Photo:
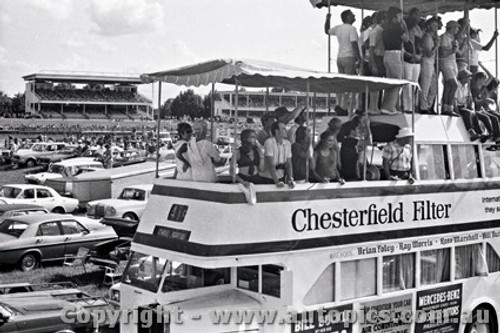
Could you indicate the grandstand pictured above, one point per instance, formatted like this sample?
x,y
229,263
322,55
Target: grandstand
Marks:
x,y
85,95
253,103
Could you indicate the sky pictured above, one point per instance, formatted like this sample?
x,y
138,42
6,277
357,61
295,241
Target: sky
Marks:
x,y
141,36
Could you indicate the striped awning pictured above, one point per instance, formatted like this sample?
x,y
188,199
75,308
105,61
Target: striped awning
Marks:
x,y
427,7
258,74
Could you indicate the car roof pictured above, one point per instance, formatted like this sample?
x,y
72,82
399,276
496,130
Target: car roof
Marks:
x,y
146,187
41,218
23,186
9,207
77,161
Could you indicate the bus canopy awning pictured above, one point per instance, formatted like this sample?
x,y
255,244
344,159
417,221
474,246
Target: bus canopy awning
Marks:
x,y
427,7
258,74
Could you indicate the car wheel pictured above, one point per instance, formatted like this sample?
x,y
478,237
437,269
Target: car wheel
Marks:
x,y
58,210
130,216
30,163
29,262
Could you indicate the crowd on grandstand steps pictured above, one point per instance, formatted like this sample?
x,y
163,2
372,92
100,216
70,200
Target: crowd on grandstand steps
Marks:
x,y
407,47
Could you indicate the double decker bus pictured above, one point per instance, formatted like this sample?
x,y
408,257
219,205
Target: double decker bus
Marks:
x,y
366,256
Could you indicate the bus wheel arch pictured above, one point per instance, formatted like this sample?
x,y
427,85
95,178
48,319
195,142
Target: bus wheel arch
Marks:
x,y
490,326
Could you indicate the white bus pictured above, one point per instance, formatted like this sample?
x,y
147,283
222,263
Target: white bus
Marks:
x,y
202,251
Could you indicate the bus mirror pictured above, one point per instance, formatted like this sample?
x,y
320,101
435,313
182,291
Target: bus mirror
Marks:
x,y
286,287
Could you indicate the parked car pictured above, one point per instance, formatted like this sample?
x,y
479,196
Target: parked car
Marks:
x,y
32,310
130,204
66,153
28,157
127,157
27,241
44,196
67,168
14,210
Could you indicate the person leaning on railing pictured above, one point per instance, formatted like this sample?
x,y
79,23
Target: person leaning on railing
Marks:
x,y
397,156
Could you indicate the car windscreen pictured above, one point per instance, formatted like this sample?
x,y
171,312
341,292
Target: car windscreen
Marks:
x,y
56,168
10,192
38,147
13,228
132,194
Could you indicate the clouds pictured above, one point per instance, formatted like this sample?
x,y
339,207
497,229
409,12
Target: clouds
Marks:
x,y
125,17
61,9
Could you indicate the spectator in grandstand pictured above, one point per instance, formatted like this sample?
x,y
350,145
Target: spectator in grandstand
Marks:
x,y
364,44
183,169
268,119
348,57
202,154
284,116
302,158
394,35
354,136
397,156
448,48
430,45
334,126
327,158
249,158
278,167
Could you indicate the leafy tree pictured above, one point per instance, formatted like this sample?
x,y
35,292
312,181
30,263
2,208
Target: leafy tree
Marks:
x,y
187,103
5,103
18,107
207,107
166,109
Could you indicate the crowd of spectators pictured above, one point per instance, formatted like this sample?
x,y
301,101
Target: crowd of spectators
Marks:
x,y
103,96
407,47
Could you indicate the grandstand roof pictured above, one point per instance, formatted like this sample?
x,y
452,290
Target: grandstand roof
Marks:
x,y
84,77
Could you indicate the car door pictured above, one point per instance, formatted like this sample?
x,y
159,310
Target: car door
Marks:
x,y
75,236
45,198
28,196
50,241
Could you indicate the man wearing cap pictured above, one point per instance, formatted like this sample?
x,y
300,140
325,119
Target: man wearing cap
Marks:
x,y
397,156
448,48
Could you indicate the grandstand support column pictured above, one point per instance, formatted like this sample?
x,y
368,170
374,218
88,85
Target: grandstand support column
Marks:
x,y
235,131
267,99
106,110
158,131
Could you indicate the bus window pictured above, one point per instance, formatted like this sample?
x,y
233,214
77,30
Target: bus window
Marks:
x,y
431,161
144,271
398,272
179,276
491,162
248,278
465,161
469,261
359,278
492,259
434,266
271,280
323,290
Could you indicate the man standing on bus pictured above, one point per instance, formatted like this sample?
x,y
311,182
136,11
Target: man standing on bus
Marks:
x,y
348,57
397,156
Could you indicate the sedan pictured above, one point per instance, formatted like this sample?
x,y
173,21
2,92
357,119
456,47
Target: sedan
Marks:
x,y
30,240
14,210
43,196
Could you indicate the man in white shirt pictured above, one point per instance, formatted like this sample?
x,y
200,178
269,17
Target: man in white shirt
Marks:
x,y
348,57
